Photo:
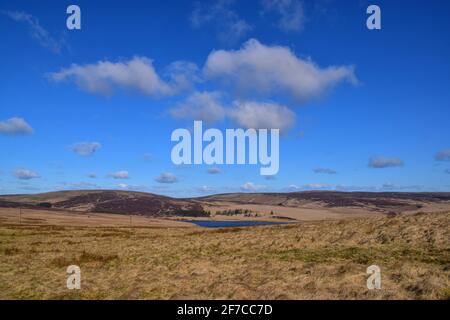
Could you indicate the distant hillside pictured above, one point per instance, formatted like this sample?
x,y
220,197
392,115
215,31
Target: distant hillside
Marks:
x,y
296,205
335,198
311,205
107,201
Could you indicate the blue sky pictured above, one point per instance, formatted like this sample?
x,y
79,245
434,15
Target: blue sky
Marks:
x,y
359,109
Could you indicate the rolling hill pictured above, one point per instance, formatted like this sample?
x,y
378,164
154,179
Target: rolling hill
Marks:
x,y
308,205
106,201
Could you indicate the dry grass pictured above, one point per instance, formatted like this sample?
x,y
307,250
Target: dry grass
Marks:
x,y
315,260
12,216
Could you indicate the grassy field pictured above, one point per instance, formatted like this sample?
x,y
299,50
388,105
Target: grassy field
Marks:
x,y
310,260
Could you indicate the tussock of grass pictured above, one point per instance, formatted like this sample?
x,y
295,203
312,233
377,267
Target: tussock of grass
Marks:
x,y
445,294
218,230
83,258
10,251
364,255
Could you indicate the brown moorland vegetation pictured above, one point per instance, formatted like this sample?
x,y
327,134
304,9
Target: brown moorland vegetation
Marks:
x,y
302,206
308,260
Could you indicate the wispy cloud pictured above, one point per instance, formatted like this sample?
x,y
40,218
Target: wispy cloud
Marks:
x,y
205,189
128,187
324,170
349,188
15,126
384,162
316,186
147,156
389,186
120,175
25,174
443,155
227,23
39,33
166,177
85,148
214,170
252,187
290,12
79,186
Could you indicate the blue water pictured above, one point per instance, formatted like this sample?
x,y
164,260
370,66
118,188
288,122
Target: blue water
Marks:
x,y
231,223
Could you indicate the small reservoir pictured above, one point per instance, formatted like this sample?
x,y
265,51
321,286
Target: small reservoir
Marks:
x,y
231,223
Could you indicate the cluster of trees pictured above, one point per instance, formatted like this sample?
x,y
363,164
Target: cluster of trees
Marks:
x,y
193,213
245,212
44,204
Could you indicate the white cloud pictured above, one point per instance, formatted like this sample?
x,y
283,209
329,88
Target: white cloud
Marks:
x,y
41,35
316,186
15,126
137,74
250,186
214,170
258,115
325,170
229,26
205,106
183,74
393,187
166,177
128,187
120,175
290,12
309,186
388,185
79,186
267,70
355,188
443,155
293,187
25,174
383,162
205,189
85,148
323,186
